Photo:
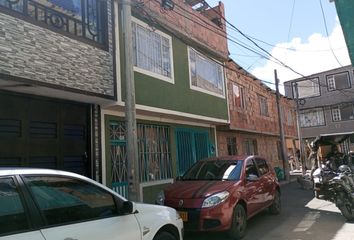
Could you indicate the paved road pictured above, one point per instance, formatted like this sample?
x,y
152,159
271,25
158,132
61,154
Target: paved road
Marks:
x,y
303,218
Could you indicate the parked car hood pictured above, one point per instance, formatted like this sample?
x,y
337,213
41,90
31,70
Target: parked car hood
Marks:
x,y
196,189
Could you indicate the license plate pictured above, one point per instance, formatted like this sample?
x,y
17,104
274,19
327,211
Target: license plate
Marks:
x,y
184,216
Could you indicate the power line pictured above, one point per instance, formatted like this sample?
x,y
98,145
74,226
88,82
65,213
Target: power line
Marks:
x,y
329,41
291,19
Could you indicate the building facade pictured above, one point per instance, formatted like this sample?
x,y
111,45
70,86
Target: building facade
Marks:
x,y
254,124
325,102
56,70
180,94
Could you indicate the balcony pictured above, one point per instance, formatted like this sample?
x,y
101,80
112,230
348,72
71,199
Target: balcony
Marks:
x,y
84,20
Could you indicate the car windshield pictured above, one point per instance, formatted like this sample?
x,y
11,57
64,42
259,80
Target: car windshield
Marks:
x,y
214,170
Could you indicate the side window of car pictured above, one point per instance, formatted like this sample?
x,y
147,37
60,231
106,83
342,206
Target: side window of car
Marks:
x,y
262,166
251,168
66,200
12,213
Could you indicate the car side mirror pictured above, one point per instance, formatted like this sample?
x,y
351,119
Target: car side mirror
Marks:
x,y
128,207
252,178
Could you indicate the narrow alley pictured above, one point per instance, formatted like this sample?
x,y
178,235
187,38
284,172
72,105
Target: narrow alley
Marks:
x,y
303,217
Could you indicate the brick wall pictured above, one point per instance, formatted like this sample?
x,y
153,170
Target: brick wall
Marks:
x,y
36,53
191,24
249,118
266,145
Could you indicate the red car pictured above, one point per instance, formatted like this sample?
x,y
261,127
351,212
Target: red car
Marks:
x,y
222,193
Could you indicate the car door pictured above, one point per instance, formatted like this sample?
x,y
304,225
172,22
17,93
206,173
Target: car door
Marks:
x,y
74,209
253,193
14,218
266,182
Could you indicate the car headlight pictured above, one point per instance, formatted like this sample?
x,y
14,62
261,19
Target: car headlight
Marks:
x,y
215,199
160,199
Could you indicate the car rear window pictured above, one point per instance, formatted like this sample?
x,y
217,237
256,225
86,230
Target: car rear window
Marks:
x,y
214,170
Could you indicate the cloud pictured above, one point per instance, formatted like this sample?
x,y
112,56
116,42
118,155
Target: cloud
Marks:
x,y
306,57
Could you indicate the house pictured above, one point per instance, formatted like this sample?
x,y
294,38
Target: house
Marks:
x,y
56,71
254,125
180,94
325,102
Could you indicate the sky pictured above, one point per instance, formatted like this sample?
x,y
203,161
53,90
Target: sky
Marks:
x,y
293,31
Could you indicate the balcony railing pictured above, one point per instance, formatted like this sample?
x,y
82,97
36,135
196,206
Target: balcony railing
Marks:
x,y
86,21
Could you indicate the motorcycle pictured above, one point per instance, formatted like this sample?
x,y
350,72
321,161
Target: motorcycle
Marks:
x,y
332,182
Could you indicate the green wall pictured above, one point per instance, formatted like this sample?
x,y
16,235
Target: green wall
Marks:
x,y
345,10
178,96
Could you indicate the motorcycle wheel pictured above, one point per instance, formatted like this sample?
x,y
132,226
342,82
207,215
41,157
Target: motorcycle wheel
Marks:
x,y
347,211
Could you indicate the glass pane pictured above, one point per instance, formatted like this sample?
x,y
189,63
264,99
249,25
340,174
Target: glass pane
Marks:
x,y
312,117
206,73
214,170
65,200
12,215
342,81
346,112
308,88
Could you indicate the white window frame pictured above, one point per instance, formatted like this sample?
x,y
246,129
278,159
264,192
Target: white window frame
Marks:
x,y
153,74
336,115
202,89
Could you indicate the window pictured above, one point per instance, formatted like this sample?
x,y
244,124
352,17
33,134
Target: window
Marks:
x,y
312,117
12,215
263,105
250,147
83,18
307,88
231,146
155,159
206,75
343,112
214,170
262,166
66,200
338,81
251,169
152,52
238,97
290,119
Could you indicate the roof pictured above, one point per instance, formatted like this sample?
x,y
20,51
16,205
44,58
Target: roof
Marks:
x,y
6,171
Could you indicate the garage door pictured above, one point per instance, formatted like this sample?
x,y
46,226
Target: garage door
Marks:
x,y
44,133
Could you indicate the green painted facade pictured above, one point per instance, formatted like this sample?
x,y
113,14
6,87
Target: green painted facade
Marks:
x,y
150,192
345,10
153,92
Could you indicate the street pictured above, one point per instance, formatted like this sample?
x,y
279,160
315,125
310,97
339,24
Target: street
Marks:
x,y
303,218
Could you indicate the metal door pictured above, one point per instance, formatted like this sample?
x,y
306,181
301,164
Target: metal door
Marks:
x,y
192,145
43,133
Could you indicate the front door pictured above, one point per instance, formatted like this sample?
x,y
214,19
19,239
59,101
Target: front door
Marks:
x,y
44,133
192,145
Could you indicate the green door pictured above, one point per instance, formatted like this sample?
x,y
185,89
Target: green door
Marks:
x,y
192,145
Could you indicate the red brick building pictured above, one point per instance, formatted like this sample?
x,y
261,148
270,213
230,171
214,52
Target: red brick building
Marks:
x,y
253,114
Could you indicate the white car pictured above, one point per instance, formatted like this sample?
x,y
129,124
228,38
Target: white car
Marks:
x,y
37,204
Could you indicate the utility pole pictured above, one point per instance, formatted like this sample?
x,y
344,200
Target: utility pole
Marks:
x,y
130,111
281,131
301,149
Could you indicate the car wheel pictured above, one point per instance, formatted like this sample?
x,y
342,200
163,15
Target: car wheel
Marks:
x,y
239,222
275,208
164,236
